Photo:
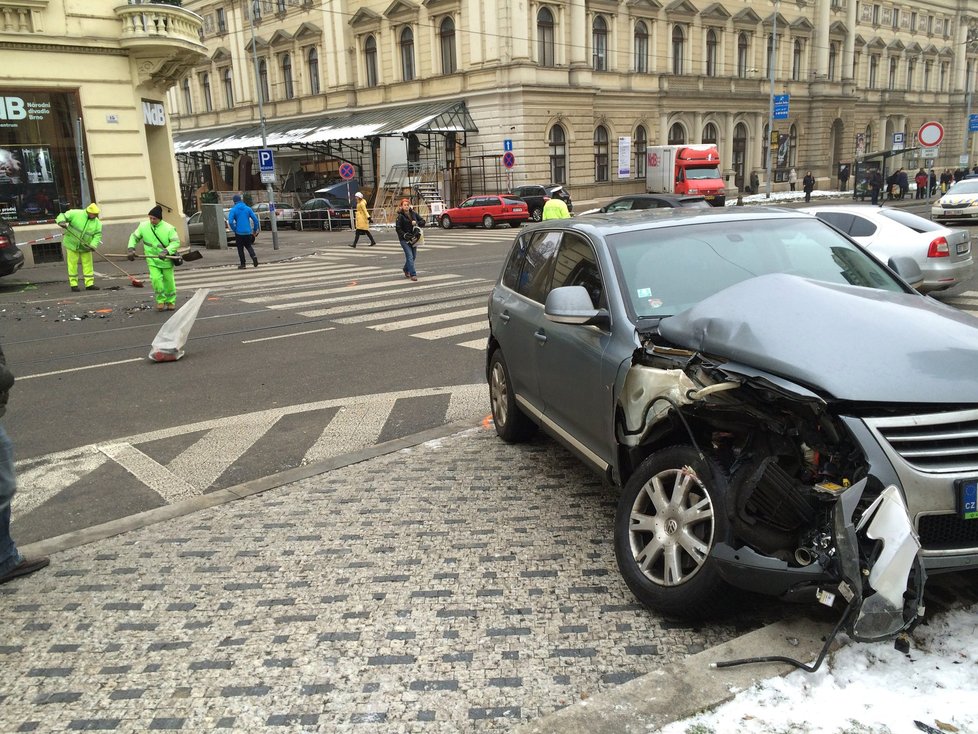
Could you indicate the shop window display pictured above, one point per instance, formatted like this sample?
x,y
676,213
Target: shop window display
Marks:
x,y
38,155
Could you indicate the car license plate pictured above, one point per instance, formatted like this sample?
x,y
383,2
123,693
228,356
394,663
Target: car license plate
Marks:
x,y
517,209
967,491
711,197
963,247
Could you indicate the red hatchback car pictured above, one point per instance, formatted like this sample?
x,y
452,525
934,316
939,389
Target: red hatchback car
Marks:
x,y
487,211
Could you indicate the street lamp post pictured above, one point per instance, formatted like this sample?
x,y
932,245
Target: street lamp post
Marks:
x,y
771,62
261,119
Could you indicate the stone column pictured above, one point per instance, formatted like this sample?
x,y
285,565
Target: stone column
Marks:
x,y
579,35
960,72
473,12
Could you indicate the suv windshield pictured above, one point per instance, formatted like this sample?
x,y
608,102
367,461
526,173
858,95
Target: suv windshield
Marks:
x,y
964,187
666,270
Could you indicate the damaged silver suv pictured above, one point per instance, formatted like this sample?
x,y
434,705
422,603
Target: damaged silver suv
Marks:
x,y
783,413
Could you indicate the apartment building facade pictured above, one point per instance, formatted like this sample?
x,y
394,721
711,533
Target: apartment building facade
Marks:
x,y
575,89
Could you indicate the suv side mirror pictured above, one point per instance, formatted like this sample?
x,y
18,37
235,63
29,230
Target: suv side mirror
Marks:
x,y
571,304
908,269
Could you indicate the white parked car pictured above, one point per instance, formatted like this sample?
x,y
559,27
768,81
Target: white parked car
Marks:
x,y
285,216
943,254
960,202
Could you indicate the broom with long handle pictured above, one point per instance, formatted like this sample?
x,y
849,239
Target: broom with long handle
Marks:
x,y
133,280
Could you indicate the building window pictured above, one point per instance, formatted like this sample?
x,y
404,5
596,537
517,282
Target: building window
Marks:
x,y
742,55
833,59
558,155
710,136
792,146
599,44
943,84
892,78
896,18
711,52
205,85
600,153
641,147
446,33
263,80
678,49
287,76
911,70
765,144
928,66
856,58
874,62
876,15
228,82
407,54
677,135
280,6
370,60
913,22
188,101
796,61
545,37
312,63
255,9
222,21
772,53
641,47
869,138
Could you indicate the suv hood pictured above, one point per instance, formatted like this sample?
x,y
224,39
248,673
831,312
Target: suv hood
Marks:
x,y
856,344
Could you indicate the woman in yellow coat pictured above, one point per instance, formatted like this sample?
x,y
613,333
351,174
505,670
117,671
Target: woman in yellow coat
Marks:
x,y
361,221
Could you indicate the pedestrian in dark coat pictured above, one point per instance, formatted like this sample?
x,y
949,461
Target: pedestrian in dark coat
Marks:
x,y
808,184
875,185
903,182
404,225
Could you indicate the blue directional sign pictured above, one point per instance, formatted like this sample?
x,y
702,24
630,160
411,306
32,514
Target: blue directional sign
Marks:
x,y
781,106
973,124
507,145
266,162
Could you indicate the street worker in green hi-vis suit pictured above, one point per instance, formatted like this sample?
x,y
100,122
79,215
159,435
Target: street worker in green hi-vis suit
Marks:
x,y
160,242
83,233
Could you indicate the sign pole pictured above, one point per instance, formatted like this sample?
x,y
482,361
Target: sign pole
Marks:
x,y
264,139
773,61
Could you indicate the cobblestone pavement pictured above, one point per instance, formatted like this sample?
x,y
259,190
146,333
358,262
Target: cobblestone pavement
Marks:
x,y
463,585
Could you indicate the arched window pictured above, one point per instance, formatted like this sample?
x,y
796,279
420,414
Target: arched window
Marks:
x,y
892,77
677,134
188,101
600,153
833,59
407,54
545,37
710,134
599,44
944,69
205,85
558,155
874,64
312,62
228,81
263,80
742,49
712,44
772,52
911,71
739,150
796,61
792,146
287,76
446,34
678,49
370,60
641,148
641,47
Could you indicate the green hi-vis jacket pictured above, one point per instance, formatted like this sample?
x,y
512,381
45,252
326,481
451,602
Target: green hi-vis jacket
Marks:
x,y
83,233
156,240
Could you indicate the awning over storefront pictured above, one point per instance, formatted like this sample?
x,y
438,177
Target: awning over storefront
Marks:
x,y
430,117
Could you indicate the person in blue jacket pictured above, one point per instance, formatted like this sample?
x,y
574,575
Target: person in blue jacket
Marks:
x,y
244,223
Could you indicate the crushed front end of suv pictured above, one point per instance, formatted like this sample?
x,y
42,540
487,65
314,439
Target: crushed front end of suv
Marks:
x,y
782,412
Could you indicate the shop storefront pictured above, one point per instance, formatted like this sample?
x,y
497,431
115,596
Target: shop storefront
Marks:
x,y
41,155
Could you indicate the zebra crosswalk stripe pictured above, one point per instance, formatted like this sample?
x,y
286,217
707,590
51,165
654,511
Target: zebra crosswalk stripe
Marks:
x,y
410,305
425,320
474,344
453,330
315,313
408,301
330,291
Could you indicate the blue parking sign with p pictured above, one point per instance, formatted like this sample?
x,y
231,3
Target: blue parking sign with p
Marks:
x,y
266,162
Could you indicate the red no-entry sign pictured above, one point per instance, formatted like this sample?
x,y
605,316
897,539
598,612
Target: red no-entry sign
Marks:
x,y
930,134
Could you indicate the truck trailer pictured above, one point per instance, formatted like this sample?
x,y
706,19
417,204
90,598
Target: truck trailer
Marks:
x,y
685,169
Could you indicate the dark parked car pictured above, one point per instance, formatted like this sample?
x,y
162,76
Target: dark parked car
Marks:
x,y
323,212
783,412
11,258
535,197
487,211
558,191
633,202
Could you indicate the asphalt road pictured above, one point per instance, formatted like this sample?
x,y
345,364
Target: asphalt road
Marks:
x,y
336,351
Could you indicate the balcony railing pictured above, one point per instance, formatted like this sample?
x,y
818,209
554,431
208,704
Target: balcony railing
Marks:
x,y
21,16
160,25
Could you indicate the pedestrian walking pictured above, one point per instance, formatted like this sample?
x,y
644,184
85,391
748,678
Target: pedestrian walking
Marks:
x,y
408,227
755,182
921,180
876,185
555,207
245,225
362,221
808,184
903,182
83,233
933,182
12,563
844,177
792,178
160,241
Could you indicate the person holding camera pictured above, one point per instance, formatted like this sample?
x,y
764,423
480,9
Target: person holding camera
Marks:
x,y
408,227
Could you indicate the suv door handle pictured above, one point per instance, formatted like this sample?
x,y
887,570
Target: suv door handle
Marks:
x,y
540,336
504,317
